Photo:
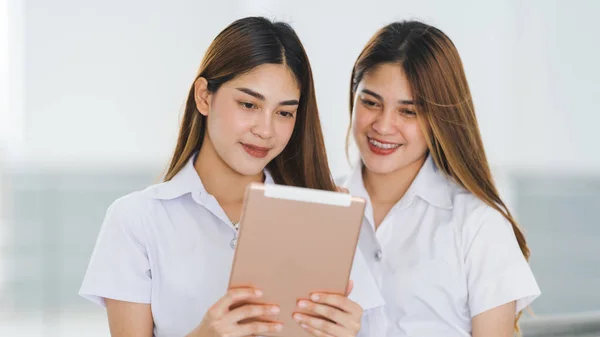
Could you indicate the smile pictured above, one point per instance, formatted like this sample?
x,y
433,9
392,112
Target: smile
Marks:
x,y
256,151
381,145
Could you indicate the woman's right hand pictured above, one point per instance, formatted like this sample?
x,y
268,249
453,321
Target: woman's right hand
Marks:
x,y
220,321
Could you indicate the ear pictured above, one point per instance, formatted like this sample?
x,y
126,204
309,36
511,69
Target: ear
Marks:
x,y
202,95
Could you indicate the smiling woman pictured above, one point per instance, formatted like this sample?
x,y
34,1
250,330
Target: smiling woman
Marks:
x,y
274,85
164,254
450,258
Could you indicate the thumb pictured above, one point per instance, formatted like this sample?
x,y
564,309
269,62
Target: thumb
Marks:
x,y
342,189
350,287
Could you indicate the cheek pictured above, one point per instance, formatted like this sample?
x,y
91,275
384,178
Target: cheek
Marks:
x,y
361,120
229,118
413,132
228,113
284,132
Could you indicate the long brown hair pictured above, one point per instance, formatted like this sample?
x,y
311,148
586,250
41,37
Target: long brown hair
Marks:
x,y
242,46
435,73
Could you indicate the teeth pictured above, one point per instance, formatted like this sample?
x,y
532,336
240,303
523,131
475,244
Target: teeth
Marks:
x,y
382,145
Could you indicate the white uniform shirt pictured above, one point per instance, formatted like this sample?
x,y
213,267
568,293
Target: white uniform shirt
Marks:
x,y
440,257
172,245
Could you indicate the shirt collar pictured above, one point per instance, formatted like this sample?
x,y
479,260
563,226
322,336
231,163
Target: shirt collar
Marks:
x,y
430,184
188,181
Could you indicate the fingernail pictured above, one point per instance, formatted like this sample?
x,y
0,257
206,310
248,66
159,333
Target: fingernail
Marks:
x,y
314,297
298,317
304,326
258,293
302,304
279,327
275,310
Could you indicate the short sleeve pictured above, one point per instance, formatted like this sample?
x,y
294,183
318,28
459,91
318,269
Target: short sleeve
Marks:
x,y
119,267
497,271
375,322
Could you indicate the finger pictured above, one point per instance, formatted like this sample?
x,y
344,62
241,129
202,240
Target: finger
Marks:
x,y
315,332
250,311
232,296
342,189
321,327
350,287
255,328
316,309
338,301
330,313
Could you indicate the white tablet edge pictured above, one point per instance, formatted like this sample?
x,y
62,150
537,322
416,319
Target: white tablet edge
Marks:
x,y
308,195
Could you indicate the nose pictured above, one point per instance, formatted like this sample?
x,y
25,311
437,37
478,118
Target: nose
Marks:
x,y
385,123
263,125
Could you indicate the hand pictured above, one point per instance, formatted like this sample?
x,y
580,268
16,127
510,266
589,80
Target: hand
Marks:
x,y
343,315
342,189
221,321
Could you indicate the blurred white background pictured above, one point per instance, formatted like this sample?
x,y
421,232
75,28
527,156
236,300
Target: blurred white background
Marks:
x,y
91,94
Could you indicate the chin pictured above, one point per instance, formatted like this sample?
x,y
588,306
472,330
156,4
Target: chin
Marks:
x,y
246,165
251,167
379,167
384,165
378,164
249,170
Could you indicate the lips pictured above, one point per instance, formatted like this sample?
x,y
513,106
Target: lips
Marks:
x,y
380,147
256,151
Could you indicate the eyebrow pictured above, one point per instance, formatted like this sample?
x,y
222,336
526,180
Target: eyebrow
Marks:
x,y
262,97
369,92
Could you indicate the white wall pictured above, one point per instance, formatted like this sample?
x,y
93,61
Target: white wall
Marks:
x,y
106,79
11,77
3,124
557,86
105,82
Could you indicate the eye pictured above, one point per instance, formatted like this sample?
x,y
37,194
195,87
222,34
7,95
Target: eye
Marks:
x,y
286,114
248,105
408,112
369,103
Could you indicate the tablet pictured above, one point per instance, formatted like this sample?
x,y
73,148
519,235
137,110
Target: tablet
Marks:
x,y
292,242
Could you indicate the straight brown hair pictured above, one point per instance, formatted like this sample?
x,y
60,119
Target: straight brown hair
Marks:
x,y
242,46
443,102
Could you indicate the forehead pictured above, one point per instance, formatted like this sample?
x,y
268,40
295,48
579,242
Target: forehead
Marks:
x,y
274,81
387,80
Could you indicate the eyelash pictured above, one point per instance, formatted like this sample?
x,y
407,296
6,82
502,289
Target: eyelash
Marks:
x,y
371,104
252,106
289,114
245,105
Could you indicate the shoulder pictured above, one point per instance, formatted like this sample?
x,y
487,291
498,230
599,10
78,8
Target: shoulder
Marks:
x,y
137,207
471,213
482,228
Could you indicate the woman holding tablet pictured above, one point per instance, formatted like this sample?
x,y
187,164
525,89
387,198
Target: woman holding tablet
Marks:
x,y
449,258
162,259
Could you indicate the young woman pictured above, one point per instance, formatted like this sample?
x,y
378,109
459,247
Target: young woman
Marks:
x,y
163,256
445,251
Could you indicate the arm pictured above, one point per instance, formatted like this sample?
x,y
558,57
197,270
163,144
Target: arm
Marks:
x,y
496,322
500,281
128,319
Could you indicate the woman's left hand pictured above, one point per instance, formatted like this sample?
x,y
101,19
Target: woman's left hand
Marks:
x,y
343,315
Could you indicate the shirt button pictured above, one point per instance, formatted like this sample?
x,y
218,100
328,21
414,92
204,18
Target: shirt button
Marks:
x,y
233,243
378,255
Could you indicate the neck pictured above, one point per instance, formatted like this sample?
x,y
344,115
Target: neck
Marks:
x,y
219,179
389,188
